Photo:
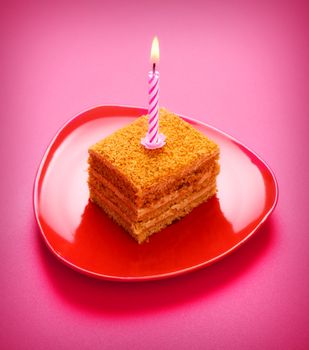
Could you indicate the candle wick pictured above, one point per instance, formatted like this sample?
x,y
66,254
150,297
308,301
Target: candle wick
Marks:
x,y
153,67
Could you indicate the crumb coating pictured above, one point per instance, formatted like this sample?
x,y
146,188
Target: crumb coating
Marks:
x,y
143,167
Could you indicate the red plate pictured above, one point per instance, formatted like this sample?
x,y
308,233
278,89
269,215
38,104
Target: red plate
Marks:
x,y
84,238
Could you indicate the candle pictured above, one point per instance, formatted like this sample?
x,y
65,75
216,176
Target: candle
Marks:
x,y
153,138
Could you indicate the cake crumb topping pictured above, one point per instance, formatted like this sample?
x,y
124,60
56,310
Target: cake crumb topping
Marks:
x,y
143,167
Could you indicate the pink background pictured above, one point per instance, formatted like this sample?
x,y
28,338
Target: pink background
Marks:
x,y
239,66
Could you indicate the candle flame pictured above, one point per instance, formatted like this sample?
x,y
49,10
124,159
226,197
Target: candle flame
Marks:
x,y
155,53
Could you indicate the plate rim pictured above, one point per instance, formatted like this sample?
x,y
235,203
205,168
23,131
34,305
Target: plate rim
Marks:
x,y
154,276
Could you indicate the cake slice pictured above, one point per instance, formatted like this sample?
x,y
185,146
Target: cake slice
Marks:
x,y
145,190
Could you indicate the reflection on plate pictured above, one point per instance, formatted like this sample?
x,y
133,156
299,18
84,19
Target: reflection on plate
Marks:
x,y
83,237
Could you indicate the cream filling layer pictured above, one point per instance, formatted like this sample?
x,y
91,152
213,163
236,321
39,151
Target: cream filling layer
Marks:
x,y
172,213
176,208
202,182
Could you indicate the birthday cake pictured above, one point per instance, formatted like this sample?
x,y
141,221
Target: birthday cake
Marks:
x,y
144,190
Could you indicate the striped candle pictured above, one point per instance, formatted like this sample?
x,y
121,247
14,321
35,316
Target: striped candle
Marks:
x,y
153,111
153,139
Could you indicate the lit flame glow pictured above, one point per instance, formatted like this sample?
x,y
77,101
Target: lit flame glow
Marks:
x,y
155,54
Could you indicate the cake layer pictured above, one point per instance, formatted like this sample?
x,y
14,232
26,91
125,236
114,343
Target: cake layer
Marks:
x,y
145,190
142,229
165,186
99,184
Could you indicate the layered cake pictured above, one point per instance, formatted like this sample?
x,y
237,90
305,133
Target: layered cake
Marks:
x,y
145,190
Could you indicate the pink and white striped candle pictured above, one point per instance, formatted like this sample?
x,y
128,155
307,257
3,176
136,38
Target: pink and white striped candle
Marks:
x,y
153,138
